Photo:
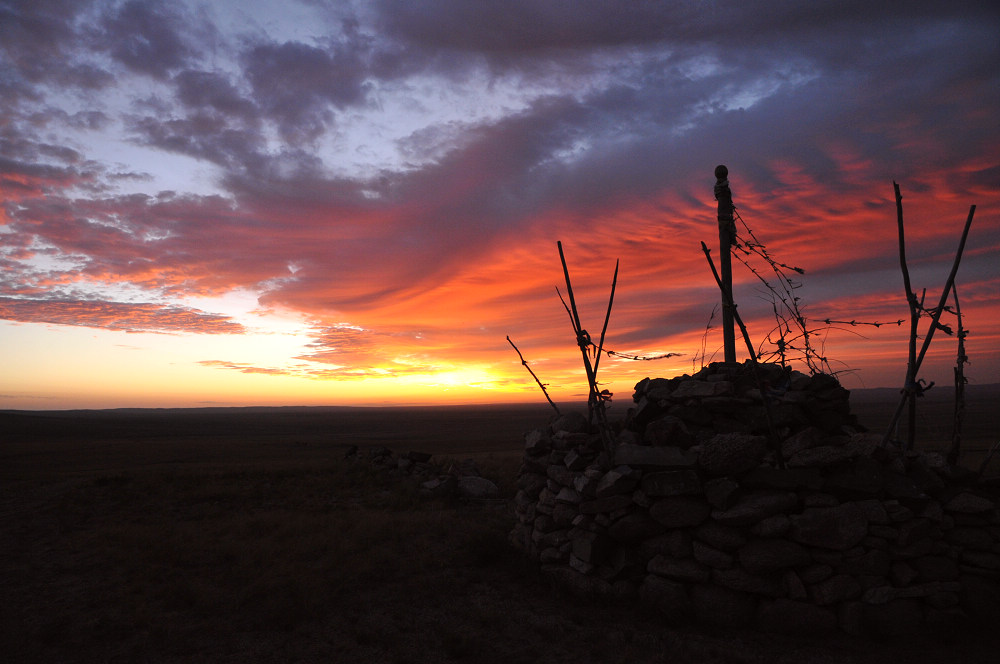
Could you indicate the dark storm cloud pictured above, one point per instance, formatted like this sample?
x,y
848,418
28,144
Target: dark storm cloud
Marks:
x,y
151,37
299,85
213,91
523,28
206,136
39,45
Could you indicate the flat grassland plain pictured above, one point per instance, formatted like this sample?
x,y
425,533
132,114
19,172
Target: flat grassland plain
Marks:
x,y
244,535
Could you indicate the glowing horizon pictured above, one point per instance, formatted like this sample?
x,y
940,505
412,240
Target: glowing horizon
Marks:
x,y
356,203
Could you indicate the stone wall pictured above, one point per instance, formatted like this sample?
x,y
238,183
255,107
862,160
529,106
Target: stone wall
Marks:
x,y
692,514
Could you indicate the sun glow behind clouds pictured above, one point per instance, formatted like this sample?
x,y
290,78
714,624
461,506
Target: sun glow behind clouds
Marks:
x,y
358,202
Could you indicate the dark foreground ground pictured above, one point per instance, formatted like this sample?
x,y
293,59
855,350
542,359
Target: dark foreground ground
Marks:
x,y
242,536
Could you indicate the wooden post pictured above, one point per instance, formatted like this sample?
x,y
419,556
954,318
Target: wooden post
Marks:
x,y
727,238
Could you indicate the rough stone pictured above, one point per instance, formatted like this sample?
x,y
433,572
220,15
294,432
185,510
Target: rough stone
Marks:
x,y
681,569
696,388
815,573
722,537
970,538
674,544
824,455
622,479
710,556
680,511
835,589
756,506
732,453
804,439
872,563
969,503
785,616
793,585
739,579
721,492
477,487
864,479
768,555
608,504
575,461
531,484
591,547
902,574
766,477
773,526
537,442
722,606
984,559
644,456
885,594
668,430
669,598
561,475
895,618
671,483
563,514
634,527
935,568
568,495
838,527
571,422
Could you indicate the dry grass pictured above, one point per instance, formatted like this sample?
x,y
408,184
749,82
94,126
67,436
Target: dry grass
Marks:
x,y
142,547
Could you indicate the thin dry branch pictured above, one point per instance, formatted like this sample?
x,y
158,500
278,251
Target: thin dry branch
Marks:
x,y
595,401
607,318
960,381
524,363
912,388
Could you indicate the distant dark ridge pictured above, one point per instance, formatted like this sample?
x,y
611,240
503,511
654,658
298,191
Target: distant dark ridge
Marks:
x,y
309,422
975,392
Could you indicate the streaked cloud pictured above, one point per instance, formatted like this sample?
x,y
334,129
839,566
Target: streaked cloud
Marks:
x,y
394,175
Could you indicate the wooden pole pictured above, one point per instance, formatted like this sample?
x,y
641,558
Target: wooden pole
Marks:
x,y
727,238
775,444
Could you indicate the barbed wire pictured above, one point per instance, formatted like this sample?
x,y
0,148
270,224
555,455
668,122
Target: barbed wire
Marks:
x,y
626,356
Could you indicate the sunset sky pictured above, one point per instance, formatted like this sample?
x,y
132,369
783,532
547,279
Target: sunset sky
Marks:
x,y
229,203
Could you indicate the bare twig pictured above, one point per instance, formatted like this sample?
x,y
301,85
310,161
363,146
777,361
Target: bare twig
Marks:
x,y
524,363
607,317
911,389
595,401
989,457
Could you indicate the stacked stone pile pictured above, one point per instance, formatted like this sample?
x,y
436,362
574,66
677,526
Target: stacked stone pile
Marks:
x,y
692,513
461,479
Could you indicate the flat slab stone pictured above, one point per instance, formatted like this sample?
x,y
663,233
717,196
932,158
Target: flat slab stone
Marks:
x,y
785,616
969,503
680,511
756,507
836,528
640,456
671,483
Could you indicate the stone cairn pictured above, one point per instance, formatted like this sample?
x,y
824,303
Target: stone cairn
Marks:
x,y
691,513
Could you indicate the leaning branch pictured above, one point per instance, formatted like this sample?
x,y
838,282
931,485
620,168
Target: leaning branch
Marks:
x,y
910,390
524,363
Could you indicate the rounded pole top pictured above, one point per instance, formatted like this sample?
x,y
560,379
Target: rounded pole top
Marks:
x,y
721,172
